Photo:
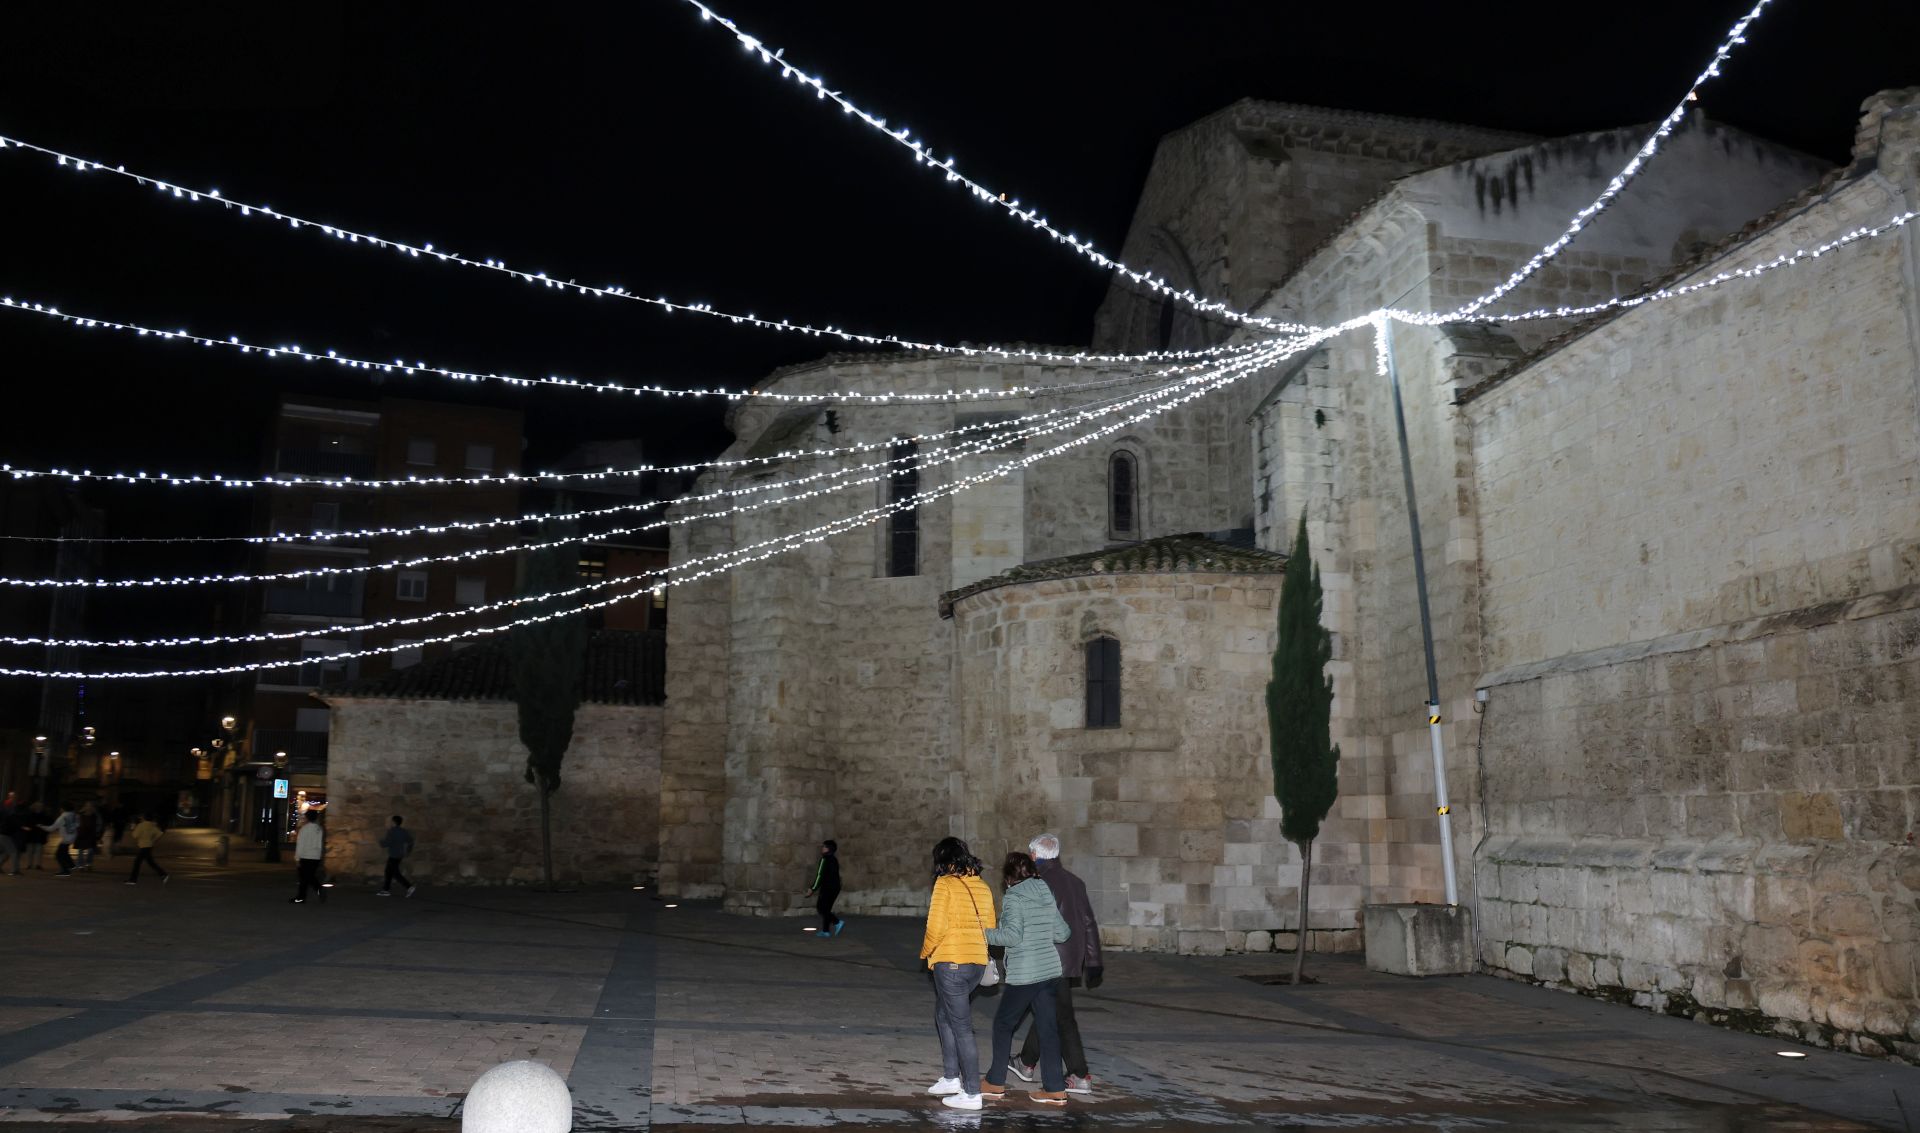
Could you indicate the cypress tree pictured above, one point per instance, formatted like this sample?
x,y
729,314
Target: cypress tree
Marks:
x,y
1299,720
548,661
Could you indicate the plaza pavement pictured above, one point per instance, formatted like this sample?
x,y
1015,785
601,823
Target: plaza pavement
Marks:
x,y
163,1006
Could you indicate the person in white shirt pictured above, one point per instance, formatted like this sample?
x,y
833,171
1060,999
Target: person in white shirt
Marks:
x,y
309,848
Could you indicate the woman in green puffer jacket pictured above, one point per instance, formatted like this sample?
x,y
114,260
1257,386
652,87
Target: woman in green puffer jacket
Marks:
x,y
1030,926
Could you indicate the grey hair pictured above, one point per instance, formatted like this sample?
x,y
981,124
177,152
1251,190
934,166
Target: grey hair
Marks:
x,y
1044,846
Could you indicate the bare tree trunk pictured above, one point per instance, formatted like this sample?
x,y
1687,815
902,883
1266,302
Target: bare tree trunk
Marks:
x,y
1306,881
546,834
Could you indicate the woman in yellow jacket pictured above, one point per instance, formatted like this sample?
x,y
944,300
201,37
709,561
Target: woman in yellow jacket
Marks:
x,y
955,949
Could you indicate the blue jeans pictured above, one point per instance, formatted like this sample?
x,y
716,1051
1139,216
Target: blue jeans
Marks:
x,y
1015,1000
953,987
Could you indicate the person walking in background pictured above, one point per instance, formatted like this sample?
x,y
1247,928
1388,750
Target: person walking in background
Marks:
x,y
145,837
33,837
398,842
1030,926
87,837
12,837
66,828
826,883
309,849
954,947
1079,960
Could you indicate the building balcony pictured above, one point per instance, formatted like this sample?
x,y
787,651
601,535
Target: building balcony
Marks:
x,y
321,603
322,462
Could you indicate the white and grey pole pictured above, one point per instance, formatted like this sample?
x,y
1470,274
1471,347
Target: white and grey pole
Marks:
x,y
1441,807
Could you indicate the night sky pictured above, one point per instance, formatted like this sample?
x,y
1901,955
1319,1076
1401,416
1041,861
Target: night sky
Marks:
x,y
631,143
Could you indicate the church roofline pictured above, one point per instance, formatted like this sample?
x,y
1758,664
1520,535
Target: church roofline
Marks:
x,y
1396,190
1361,121
1170,554
1752,230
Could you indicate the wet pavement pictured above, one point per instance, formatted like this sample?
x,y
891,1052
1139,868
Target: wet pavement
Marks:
x,y
213,1004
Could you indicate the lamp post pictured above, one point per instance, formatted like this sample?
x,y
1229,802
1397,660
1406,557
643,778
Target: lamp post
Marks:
x,y
276,833
37,768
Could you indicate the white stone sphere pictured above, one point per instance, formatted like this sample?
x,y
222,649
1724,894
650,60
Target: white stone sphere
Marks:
x,y
518,1097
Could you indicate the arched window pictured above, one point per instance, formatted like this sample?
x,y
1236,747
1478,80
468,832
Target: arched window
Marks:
x,y
1164,331
903,526
1103,683
1123,496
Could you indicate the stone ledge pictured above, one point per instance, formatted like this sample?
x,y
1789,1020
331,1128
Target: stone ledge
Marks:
x,y
1807,617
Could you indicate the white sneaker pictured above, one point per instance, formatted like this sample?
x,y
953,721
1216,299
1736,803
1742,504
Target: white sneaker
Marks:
x,y
944,1087
961,1101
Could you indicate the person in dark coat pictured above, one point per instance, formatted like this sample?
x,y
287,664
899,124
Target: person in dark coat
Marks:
x,y
88,839
826,883
1079,960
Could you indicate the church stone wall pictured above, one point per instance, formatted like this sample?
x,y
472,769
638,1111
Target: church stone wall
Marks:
x,y
1701,546
456,771
1170,817
1326,444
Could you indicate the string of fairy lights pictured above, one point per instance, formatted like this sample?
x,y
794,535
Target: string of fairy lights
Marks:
x,y
1889,226
923,155
353,236
839,481
1211,369
679,574
845,397
1211,381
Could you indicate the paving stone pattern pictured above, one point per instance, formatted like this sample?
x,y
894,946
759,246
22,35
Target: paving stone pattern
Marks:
x,y
212,1004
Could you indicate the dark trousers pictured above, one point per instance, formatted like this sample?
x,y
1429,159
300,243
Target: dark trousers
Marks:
x,y
63,856
1016,1000
1071,1051
309,876
145,855
393,875
824,906
953,988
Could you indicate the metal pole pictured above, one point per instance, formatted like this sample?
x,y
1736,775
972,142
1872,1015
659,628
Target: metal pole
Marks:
x,y
1426,620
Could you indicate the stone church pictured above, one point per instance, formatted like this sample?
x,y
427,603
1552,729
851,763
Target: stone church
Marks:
x,y
1673,554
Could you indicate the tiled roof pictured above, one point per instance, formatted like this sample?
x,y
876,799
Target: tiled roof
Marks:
x,y
1169,554
623,667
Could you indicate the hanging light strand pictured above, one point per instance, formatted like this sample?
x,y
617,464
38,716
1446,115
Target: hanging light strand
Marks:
x,y
1627,302
1734,38
400,366
609,291
956,453
923,154
712,565
995,443
453,526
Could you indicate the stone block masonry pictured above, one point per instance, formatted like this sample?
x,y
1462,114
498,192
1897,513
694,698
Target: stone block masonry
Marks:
x,y
1720,830
456,771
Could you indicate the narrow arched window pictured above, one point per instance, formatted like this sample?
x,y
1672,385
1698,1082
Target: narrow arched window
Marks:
x,y
1103,683
1123,496
903,525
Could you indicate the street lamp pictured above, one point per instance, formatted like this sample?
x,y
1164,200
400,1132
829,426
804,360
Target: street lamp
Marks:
x,y
276,833
37,767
